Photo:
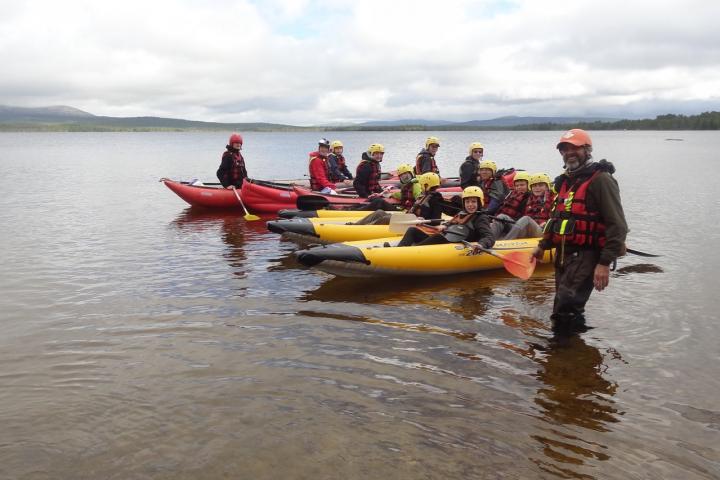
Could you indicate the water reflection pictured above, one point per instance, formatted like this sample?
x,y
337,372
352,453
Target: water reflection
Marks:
x,y
575,394
234,231
469,296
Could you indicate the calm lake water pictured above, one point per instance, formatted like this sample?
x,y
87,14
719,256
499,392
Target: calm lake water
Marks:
x,y
144,340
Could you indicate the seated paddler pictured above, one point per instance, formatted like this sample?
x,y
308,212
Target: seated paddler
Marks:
x,y
471,225
410,191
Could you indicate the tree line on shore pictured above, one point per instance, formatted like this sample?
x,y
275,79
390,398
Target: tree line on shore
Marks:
x,y
702,121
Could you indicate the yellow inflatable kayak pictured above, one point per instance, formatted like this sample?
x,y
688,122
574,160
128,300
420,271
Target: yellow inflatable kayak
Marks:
x,y
334,230
325,213
381,257
331,230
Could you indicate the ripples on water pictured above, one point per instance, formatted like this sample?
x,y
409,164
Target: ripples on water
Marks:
x,y
144,340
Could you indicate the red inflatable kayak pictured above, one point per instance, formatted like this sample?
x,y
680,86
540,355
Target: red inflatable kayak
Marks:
x,y
259,196
267,197
206,196
339,199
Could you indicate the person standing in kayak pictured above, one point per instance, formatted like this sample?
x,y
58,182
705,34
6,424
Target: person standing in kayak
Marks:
x,y
469,168
336,162
587,228
425,160
232,171
319,170
367,175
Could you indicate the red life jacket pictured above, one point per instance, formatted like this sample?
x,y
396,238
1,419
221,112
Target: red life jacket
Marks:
x,y
407,199
514,205
572,220
373,185
314,185
419,160
539,208
238,171
486,185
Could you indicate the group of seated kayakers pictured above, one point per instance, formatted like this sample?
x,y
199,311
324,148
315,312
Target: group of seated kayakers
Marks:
x,y
486,210
522,212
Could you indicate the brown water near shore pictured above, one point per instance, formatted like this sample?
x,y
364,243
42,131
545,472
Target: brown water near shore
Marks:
x,y
142,339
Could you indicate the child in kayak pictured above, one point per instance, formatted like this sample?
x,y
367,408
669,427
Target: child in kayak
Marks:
x,y
425,160
336,162
513,207
319,170
471,224
367,175
493,188
410,191
469,168
537,210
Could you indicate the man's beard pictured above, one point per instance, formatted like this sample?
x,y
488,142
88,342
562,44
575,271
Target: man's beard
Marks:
x,y
572,163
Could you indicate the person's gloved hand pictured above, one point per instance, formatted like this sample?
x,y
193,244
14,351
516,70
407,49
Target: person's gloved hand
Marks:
x,y
538,253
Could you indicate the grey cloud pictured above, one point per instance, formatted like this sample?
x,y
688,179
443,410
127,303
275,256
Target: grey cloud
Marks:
x,y
276,104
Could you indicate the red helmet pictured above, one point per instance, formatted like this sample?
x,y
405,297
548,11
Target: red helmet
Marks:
x,y
575,137
235,138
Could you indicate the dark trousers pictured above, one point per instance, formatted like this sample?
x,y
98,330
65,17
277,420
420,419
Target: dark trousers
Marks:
x,y
376,204
415,236
573,286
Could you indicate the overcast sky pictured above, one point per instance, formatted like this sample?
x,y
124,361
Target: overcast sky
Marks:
x,y
327,61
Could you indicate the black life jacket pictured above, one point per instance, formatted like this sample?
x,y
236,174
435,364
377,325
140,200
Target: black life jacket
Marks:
x,y
419,161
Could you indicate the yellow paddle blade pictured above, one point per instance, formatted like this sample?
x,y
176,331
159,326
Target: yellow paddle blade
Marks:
x,y
251,218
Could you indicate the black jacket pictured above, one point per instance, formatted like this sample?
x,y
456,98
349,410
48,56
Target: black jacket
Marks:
x,y
338,174
468,173
430,207
224,173
479,230
363,183
425,161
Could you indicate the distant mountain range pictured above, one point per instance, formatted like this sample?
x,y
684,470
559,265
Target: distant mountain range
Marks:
x,y
42,114
510,121
64,118
72,117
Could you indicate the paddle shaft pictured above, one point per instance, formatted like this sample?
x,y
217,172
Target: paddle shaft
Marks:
x,y
240,200
493,253
640,254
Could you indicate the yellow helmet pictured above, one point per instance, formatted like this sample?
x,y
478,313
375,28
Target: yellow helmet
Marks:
x,y
432,140
488,164
335,144
429,180
471,192
522,175
475,146
376,147
539,178
404,168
